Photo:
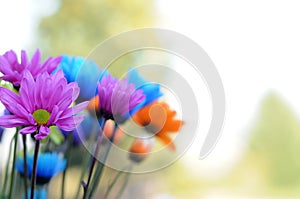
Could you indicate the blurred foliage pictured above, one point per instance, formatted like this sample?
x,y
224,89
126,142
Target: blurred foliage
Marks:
x,y
276,140
271,162
78,26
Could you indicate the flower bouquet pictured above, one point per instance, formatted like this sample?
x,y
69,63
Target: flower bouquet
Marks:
x,y
54,110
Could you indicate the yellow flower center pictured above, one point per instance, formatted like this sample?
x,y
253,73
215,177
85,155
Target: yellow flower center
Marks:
x,y
41,116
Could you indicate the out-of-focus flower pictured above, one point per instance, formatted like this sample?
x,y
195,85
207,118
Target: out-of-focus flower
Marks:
x,y
109,129
76,138
151,90
48,166
158,119
71,66
117,98
42,103
1,133
13,71
94,104
4,112
140,149
84,72
83,131
89,126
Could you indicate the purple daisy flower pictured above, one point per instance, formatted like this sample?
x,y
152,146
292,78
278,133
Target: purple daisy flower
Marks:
x,y
117,98
42,103
13,71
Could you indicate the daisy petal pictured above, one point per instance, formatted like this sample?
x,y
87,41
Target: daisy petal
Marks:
x,y
79,107
43,133
70,123
9,121
28,130
5,66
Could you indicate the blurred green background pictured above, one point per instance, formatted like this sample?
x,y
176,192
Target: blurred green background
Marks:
x,y
257,156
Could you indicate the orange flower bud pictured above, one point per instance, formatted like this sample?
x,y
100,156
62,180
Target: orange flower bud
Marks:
x,y
140,149
109,129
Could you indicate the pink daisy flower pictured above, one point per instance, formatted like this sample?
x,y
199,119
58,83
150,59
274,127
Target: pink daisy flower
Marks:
x,y
42,103
13,71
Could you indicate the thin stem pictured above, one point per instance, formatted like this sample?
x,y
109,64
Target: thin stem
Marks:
x,y
7,168
112,184
98,174
116,178
25,165
97,177
86,165
92,166
35,158
96,152
12,179
63,183
82,175
127,175
67,154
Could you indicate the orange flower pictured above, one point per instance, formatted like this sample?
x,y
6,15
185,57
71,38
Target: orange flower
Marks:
x,y
140,149
159,119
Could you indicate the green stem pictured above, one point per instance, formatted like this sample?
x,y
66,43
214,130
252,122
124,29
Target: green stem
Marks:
x,y
12,179
81,177
99,170
127,175
63,183
87,160
109,189
112,184
25,165
67,156
86,187
7,168
35,159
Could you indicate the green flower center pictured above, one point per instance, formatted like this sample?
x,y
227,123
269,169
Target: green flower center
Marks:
x,y
41,116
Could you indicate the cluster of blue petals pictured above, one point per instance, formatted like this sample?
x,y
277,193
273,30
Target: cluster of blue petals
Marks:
x,y
48,165
85,72
151,90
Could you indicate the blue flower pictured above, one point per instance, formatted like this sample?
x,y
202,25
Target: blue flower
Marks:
x,y
151,90
85,72
48,166
71,66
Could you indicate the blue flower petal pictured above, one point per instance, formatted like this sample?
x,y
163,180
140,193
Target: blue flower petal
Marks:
x,y
48,165
85,72
151,90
